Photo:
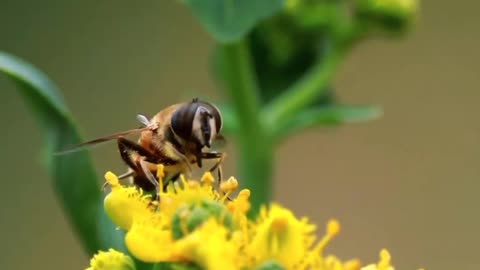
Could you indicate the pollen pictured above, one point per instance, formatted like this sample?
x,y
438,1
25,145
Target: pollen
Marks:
x,y
192,184
207,179
244,193
160,175
241,204
230,185
279,224
385,259
383,264
112,179
160,171
352,265
333,227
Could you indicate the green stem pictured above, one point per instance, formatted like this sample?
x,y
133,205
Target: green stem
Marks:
x,y
255,151
325,116
241,82
256,167
304,91
157,266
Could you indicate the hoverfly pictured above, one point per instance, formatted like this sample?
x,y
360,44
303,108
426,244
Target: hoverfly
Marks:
x,y
175,137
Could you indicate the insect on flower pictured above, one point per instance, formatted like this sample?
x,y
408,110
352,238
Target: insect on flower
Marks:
x,y
175,137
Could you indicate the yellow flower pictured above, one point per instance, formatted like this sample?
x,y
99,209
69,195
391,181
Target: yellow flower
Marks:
x,y
279,235
194,223
111,260
150,234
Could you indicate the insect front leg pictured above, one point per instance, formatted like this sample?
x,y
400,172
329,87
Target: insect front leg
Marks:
x,y
218,164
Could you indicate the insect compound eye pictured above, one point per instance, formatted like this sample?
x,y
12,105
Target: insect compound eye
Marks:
x,y
197,120
215,113
204,135
182,120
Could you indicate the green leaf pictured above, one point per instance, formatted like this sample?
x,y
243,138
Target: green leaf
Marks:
x,y
230,20
331,115
74,180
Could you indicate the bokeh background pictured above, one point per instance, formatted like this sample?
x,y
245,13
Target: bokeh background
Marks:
x,y
409,181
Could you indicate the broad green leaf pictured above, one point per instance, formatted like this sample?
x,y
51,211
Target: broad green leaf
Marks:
x,y
73,176
324,116
230,20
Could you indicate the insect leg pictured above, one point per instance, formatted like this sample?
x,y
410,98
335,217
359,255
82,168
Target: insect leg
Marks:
x,y
127,146
218,164
149,175
124,149
127,174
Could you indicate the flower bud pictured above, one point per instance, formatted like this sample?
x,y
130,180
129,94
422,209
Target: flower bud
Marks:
x,y
270,265
391,15
190,217
111,260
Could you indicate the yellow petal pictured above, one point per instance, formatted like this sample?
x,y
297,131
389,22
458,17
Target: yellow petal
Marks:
x,y
123,204
148,241
209,247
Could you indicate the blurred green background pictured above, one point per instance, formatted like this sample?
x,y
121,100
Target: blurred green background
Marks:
x,y
408,182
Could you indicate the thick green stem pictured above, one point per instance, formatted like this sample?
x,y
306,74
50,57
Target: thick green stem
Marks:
x,y
241,83
256,167
255,162
304,92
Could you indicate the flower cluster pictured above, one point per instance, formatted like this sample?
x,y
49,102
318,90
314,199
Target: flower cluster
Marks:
x,y
197,223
